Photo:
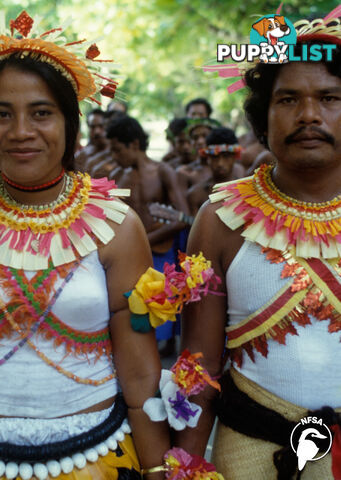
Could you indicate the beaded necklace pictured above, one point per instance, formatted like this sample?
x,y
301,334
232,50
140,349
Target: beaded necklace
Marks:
x,y
65,190
275,220
308,210
35,188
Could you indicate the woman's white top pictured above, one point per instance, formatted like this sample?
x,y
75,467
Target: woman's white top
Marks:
x,y
30,387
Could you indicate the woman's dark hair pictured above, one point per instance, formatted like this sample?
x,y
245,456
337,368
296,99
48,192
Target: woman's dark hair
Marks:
x,y
221,135
260,81
62,91
126,129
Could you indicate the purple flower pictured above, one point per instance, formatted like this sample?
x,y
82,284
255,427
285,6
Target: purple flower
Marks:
x,y
172,405
182,407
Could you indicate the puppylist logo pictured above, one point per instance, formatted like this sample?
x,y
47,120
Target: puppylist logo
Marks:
x,y
311,440
272,40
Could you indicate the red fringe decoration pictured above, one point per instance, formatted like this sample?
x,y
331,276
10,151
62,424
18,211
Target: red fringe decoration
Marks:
x,y
75,43
51,31
286,326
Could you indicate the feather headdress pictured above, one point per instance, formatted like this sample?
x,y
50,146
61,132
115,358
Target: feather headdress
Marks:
x,y
78,64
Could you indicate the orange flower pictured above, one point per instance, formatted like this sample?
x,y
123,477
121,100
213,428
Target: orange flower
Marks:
x,y
190,376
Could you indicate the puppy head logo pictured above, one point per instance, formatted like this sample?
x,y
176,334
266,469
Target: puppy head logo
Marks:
x,y
311,440
272,29
273,33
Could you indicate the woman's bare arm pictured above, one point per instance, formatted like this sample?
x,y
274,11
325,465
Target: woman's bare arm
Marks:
x,y
136,357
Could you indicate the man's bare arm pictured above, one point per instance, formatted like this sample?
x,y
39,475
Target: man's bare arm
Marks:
x,y
203,325
174,193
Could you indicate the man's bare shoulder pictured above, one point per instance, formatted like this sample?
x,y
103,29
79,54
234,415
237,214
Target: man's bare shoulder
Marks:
x,y
185,169
167,174
207,217
164,167
102,155
88,150
209,234
197,195
238,171
127,179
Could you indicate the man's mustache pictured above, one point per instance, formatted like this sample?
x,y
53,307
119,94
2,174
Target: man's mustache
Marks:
x,y
321,134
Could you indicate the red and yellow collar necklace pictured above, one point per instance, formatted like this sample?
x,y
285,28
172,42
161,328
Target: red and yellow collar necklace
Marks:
x,y
277,221
63,229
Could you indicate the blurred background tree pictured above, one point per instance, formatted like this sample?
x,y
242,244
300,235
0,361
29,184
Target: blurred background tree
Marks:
x,y
162,44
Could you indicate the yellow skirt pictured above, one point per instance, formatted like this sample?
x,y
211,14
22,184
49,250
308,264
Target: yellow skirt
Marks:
x,y
239,457
105,468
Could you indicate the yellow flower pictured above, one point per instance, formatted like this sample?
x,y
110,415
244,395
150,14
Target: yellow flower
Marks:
x,y
198,264
152,284
172,461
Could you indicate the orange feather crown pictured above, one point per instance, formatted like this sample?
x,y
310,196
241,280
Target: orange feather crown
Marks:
x,y
51,47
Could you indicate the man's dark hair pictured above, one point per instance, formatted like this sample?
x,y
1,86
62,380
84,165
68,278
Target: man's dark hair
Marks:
x,y
221,135
260,81
111,105
126,129
112,114
62,91
175,127
197,101
95,111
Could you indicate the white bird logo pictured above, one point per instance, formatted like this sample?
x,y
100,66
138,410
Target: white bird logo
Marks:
x,y
307,448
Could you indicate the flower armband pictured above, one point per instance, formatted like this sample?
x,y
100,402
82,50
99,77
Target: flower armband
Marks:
x,y
159,296
187,377
148,303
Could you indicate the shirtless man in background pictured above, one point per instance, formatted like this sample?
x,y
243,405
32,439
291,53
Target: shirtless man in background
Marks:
x,y
221,153
198,170
182,152
198,108
97,139
152,181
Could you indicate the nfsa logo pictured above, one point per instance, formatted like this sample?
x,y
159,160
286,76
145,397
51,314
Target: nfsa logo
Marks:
x,y
311,440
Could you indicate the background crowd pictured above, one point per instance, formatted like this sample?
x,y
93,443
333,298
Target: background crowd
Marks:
x,y
167,193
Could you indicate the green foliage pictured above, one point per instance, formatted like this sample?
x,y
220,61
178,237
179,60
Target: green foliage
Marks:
x,y
162,44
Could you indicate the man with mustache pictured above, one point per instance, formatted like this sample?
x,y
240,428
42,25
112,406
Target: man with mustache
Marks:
x,y
275,240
